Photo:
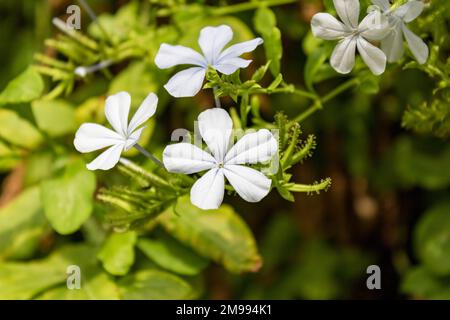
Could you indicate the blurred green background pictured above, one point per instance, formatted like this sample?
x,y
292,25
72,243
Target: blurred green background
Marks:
x,y
389,203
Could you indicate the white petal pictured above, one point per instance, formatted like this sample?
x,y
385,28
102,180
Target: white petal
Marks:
x,y
410,10
145,111
348,11
116,110
186,83
215,127
133,138
92,136
212,40
239,48
343,56
392,45
372,56
374,26
169,56
249,183
252,148
229,66
186,158
383,4
327,27
207,192
418,48
107,159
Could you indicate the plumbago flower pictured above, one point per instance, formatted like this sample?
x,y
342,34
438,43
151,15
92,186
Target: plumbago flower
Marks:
x,y
392,45
215,127
352,35
92,136
212,40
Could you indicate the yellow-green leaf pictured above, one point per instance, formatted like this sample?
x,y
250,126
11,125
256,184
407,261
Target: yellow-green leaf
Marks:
x,y
55,117
68,200
220,235
117,253
24,88
172,255
156,285
22,224
18,131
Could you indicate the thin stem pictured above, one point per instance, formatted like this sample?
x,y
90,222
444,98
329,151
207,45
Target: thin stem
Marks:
x,y
149,155
308,188
82,71
216,98
302,116
346,85
318,104
94,18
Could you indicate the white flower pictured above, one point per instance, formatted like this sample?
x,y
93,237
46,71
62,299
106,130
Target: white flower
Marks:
x,y
215,127
392,45
212,40
352,35
92,136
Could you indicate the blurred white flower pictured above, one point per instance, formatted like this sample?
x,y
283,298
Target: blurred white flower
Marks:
x,y
92,136
392,45
352,35
212,40
215,126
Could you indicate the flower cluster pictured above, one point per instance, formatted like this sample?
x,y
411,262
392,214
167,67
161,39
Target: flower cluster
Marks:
x,y
384,23
223,160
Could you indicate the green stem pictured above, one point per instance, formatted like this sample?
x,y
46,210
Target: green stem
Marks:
x,y
248,6
290,88
244,110
305,114
318,104
346,85
216,98
308,188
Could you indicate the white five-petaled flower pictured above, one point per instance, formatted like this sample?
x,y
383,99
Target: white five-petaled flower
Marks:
x,y
352,35
392,45
215,126
92,136
212,40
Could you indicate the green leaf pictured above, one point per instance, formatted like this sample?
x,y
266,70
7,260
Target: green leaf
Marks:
x,y
313,64
68,200
117,253
95,285
265,23
413,166
138,79
18,131
22,224
260,72
220,234
276,82
432,239
155,285
118,26
369,83
26,280
264,20
39,166
172,255
421,283
24,88
55,117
